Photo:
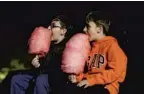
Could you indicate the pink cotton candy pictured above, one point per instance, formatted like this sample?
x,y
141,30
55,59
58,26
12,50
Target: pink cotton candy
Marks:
x,y
75,54
39,41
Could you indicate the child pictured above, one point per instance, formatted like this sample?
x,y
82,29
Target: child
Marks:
x,y
107,63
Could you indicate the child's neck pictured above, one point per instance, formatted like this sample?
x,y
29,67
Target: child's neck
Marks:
x,y
100,37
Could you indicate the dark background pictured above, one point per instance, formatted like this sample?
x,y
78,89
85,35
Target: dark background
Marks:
x,y
18,19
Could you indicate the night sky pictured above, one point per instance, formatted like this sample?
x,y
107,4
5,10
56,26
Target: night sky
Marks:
x,y
18,19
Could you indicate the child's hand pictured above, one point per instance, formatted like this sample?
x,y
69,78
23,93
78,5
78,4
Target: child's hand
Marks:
x,y
83,83
72,78
35,61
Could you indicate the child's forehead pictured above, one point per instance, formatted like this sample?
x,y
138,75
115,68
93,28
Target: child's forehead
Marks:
x,y
55,22
91,23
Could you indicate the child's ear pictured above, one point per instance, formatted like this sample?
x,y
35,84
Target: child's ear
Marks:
x,y
64,31
100,29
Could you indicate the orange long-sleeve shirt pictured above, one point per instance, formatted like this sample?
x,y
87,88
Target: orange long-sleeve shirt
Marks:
x,y
106,65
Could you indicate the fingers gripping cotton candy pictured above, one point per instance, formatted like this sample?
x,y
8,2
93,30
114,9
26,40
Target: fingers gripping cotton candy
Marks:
x,y
75,54
39,41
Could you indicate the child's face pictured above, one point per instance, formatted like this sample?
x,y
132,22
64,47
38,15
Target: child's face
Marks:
x,y
57,30
92,30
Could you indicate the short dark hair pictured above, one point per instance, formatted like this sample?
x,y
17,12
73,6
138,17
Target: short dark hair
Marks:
x,y
64,21
100,19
